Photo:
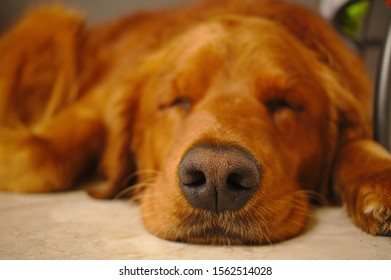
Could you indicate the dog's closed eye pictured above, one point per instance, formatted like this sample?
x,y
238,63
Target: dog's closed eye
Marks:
x,y
182,103
275,105
283,113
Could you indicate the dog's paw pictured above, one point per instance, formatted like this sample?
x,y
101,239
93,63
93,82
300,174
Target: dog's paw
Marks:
x,y
377,214
372,208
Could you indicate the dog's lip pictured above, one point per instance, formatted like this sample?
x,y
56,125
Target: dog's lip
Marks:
x,y
210,235
210,229
218,236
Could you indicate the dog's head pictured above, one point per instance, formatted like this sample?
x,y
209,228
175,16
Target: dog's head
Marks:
x,y
240,120
230,113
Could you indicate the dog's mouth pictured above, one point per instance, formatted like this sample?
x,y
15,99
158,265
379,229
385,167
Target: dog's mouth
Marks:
x,y
254,224
227,228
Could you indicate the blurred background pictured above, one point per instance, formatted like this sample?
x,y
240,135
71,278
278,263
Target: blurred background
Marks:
x,y
100,10
364,25
95,10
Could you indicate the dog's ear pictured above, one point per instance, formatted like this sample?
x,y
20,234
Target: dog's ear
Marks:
x,y
38,65
118,162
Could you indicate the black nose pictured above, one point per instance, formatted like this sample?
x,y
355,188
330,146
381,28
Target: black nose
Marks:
x,y
218,178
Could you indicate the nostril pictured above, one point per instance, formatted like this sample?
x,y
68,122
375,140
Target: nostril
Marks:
x,y
192,178
235,180
247,179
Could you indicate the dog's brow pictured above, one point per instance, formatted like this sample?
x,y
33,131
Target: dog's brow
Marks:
x,y
202,36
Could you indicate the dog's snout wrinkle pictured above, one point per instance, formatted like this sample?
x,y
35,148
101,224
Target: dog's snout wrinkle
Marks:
x,y
218,178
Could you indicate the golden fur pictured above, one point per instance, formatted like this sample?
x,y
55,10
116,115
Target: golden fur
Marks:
x,y
133,97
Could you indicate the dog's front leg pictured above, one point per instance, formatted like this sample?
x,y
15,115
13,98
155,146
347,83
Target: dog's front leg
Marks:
x,y
50,157
363,177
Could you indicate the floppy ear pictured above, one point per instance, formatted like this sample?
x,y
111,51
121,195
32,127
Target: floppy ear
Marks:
x,y
38,60
43,147
118,162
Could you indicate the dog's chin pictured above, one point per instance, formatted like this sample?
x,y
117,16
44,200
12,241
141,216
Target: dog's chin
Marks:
x,y
209,234
217,237
226,228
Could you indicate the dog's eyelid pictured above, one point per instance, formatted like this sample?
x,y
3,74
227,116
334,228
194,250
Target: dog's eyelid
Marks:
x,y
179,102
183,102
280,104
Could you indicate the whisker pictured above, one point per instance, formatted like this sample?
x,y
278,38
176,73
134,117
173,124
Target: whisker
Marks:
x,y
265,234
128,189
137,173
131,189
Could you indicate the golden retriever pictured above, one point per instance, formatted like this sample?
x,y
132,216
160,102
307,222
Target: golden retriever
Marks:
x,y
227,116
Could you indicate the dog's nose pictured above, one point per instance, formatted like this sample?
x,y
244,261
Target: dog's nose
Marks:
x,y
218,178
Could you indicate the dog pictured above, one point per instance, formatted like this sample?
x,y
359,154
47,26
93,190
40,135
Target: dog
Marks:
x,y
227,117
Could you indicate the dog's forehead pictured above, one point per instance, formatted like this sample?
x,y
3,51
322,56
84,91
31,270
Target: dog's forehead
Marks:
x,y
220,50
237,32
258,47
197,38
228,37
